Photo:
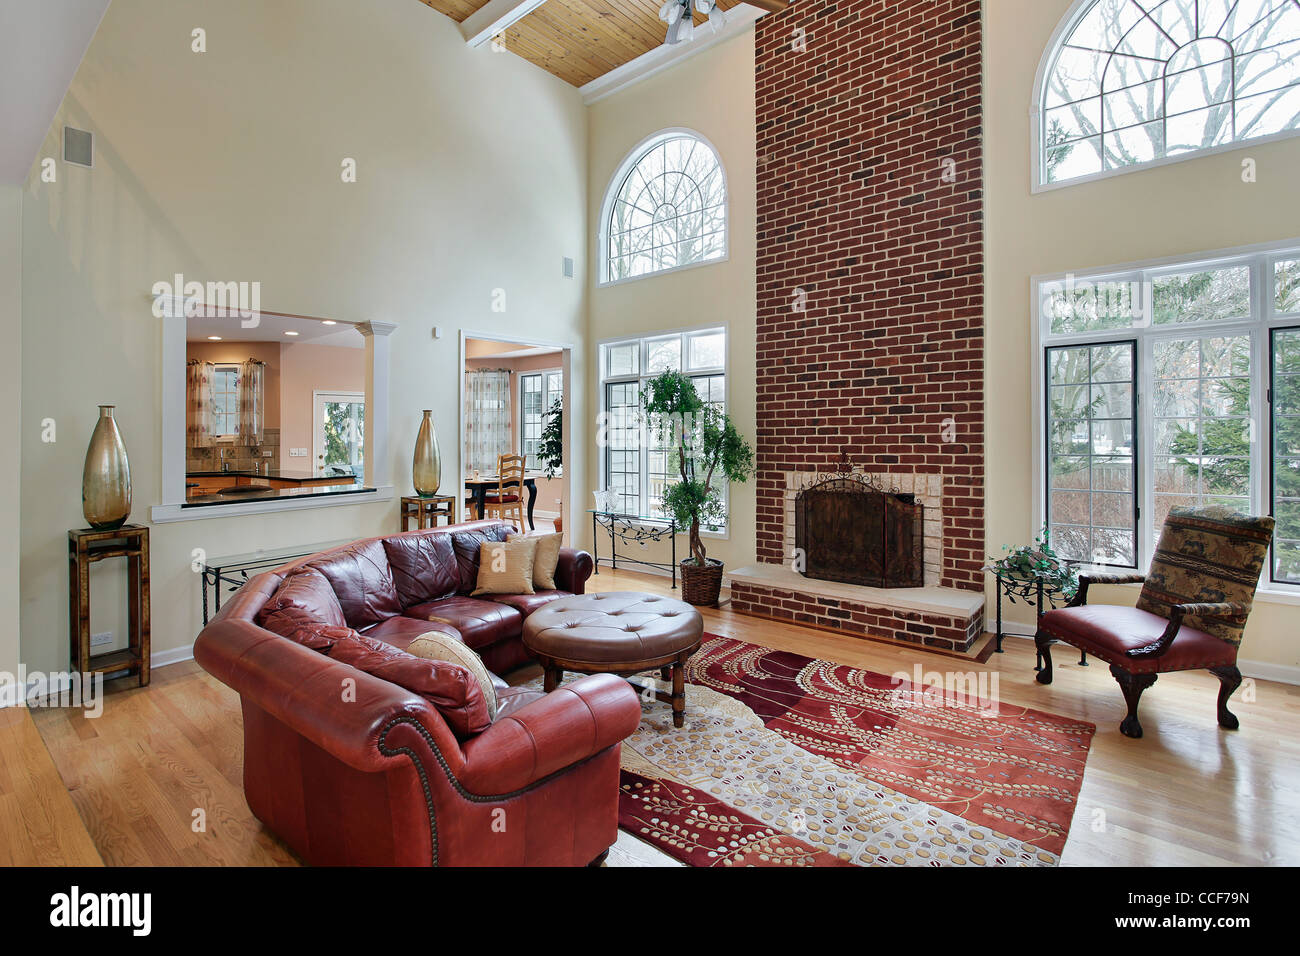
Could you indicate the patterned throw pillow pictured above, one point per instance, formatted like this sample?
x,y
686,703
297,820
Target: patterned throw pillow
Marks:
x,y
436,646
1208,556
546,560
506,567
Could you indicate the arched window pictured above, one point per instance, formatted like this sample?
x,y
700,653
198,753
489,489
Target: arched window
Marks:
x,y
1131,82
666,208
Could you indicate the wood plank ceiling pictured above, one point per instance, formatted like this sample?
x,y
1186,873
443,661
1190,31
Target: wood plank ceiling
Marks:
x,y
579,40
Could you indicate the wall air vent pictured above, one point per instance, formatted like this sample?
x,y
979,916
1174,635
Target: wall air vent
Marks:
x,y
78,147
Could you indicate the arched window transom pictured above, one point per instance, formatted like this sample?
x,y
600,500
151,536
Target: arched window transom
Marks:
x,y
667,208
1137,81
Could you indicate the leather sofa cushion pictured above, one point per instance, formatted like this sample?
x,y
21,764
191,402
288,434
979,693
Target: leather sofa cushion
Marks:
x,y
480,623
423,565
526,604
400,631
467,545
1109,631
362,582
449,687
302,608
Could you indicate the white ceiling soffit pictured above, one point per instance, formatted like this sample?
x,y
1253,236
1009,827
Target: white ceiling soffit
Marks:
x,y
271,327
41,46
740,18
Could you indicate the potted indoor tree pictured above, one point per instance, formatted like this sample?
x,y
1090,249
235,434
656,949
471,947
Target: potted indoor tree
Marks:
x,y
550,450
704,445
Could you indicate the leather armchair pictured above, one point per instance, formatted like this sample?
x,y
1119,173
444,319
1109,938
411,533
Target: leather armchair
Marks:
x,y
1190,615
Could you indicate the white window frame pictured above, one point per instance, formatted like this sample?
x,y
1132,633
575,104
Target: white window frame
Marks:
x,y
1261,259
547,400
615,186
641,376
1038,111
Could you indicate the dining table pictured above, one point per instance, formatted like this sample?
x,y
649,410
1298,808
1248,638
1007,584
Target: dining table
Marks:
x,y
481,485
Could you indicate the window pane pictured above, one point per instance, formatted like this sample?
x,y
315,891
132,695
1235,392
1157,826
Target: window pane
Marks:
x,y
622,359
1202,296
1202,424
1286,455
1087,306
1286,292
708,350
663,355
1091,425
623,443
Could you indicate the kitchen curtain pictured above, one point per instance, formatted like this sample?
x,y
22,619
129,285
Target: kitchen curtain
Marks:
x,y
252,402
198,404
487,419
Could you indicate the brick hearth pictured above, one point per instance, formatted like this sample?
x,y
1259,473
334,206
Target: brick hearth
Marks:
x,y
941,618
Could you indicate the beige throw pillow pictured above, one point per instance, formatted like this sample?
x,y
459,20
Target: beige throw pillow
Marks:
x,y
546,559
437,646
506,567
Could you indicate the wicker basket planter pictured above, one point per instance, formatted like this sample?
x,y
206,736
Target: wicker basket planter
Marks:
x,y
701,585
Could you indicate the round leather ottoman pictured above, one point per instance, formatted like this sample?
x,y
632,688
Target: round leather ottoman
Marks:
x,y
622,633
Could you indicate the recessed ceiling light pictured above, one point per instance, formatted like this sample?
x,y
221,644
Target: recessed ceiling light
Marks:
x,y
214,338
328,322
290,333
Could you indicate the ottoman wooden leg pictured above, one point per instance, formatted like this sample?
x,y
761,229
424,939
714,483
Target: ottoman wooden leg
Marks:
x,y
679,692
552,677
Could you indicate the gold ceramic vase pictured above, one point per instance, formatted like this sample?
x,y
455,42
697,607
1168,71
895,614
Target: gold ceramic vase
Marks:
x,y
106,479
426,468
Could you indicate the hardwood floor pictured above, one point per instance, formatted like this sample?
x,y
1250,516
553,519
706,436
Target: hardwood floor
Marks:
x,y
39,825
1187,793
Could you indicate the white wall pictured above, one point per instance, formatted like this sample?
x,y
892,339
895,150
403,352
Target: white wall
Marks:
x,y
1185,208
226,166
10,416
713,94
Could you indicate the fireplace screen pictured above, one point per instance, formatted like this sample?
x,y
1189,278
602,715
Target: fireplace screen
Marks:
x,y
849,531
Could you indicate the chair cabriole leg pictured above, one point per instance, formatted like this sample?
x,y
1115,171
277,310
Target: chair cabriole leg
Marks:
x,y
1132,685
1043,644
1229,681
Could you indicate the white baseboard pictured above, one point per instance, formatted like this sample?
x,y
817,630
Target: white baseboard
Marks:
x,y
177,655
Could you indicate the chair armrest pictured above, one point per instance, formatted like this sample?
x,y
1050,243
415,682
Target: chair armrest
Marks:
x,y
564,728
1176,614
1085,580
572,570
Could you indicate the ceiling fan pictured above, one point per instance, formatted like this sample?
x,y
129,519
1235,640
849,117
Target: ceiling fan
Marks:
x,y
677,14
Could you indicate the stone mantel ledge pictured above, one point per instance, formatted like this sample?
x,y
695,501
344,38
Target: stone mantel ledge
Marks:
x,y
948,602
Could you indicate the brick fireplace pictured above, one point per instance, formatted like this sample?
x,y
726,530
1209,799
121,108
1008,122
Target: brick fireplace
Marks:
x,y
871,296
870,260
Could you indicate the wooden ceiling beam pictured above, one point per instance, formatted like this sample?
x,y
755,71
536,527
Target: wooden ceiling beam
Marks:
x,y
494,18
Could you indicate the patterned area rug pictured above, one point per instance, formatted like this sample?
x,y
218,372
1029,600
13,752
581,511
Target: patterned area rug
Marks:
x,y
789,761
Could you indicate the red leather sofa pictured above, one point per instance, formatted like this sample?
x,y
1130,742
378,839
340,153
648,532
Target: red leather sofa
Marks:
x,y
349,768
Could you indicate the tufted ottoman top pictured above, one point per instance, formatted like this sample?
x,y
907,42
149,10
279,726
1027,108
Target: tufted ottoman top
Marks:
x,y
617,629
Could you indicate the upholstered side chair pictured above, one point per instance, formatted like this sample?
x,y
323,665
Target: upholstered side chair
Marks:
x,y
1190,615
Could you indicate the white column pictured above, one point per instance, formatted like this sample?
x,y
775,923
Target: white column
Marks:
x,y
378,355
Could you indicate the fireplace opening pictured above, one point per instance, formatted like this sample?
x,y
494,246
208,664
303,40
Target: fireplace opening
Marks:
x,y
850,531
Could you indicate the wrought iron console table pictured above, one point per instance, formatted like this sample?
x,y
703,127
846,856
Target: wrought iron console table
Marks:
x,y
633,529
232,572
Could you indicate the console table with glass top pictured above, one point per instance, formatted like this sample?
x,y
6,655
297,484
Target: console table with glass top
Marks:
x,y
633,529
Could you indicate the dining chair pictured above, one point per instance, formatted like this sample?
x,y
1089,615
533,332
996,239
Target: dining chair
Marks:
x,y
506,501
1190,615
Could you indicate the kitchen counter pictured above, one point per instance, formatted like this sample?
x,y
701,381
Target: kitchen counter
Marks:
x,y
278,494
278,474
